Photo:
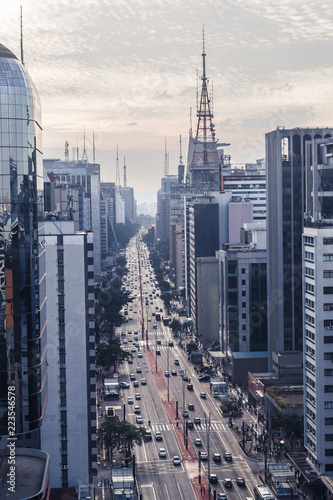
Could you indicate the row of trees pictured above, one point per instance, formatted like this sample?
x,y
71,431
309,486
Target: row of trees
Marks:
x,y
121,435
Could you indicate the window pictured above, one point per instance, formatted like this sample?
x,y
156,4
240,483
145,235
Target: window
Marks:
x,y
243,327
328,273
243,315
309,256
244,293
243,304
328,405
309,271
328,290
244,338
309,287
328,372
328,257
329,452
328,356
243,282
328,437
243,270
327,241
328,421
328,339
309,240
328,307
328,388
328,324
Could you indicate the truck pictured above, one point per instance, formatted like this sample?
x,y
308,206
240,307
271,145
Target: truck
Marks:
x,y
110,412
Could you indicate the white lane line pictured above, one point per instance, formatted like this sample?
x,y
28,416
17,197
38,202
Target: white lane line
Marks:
x,y
180,493
166,489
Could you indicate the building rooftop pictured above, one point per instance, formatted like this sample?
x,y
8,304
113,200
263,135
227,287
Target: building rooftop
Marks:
x,y
31,472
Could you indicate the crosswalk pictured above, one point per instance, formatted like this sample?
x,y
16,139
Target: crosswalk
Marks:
x,y
154,467
214,426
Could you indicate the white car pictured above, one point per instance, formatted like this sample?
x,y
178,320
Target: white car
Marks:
x,y
139,420
162,453
137,396
130,400
140,355
176,460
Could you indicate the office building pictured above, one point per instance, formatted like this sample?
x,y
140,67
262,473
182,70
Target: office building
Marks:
x,y
23,345
287,172
69,433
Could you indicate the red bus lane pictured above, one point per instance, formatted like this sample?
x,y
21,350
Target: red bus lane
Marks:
x,y
189,455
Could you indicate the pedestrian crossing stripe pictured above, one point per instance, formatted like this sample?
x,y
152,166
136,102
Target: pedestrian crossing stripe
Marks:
x,y
200,427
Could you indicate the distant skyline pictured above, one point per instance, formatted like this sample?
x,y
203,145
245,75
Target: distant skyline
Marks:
x,y
127,70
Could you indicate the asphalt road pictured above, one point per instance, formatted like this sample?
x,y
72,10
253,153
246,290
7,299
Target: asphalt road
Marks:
x,y
159,478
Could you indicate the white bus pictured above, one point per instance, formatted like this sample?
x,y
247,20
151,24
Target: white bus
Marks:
x,y
262,492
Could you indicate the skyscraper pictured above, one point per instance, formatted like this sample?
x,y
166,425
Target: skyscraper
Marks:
x,y
22,260
287,185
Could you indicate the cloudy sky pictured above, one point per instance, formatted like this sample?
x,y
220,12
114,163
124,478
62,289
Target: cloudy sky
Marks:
x,y
127,70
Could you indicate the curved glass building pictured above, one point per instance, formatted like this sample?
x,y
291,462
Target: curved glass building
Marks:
x,y
22,277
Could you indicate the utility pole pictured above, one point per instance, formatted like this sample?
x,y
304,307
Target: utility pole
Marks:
x,y
168,372
208,439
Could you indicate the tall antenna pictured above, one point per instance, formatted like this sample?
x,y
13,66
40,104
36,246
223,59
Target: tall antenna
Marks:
x,y
94,150
166,160
190,122
22,59
84,154
212,99
180,150
66,151
117,169
125,178
197,90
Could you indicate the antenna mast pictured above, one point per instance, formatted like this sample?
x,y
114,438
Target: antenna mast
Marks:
x,y
166,160
84,154
125,178
117,169
94,150
180,150
66,151
22,59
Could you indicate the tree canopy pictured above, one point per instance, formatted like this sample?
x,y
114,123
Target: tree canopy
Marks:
x,y
121,435
111,354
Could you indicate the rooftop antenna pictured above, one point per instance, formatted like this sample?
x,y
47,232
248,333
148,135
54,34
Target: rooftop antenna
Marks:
x,y
77,153
66,151
125,178
180,150
166,160
94,150
197,90
190,122
84,154
212,99
117,169
21,17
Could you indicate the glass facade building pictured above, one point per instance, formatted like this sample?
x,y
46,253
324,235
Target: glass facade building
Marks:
x,y
22,263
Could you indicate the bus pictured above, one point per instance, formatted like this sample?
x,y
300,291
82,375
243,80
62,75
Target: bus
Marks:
x,y
111,389
262,492
166,320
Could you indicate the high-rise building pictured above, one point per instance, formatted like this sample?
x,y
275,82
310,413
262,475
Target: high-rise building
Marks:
x,y
22,253
69,430
127,194
85,177
286,194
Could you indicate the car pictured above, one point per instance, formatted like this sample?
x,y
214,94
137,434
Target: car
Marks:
x,y
138,369
190,387
130,361
176,460
139,420
143,381
130,400
132,376
173,372
204,455
149,320
190,424
133,349
137,409
170,343
190,406
185,414
158,436
197,420
227,483
135,383
222,496
140,355
155,327
125,342
212,478
185,378
123,333
162,453
167,374
137,396
129,340
197,442
217,457
176,362
124,385
158,352
227,456
203,395
240,481
158,342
